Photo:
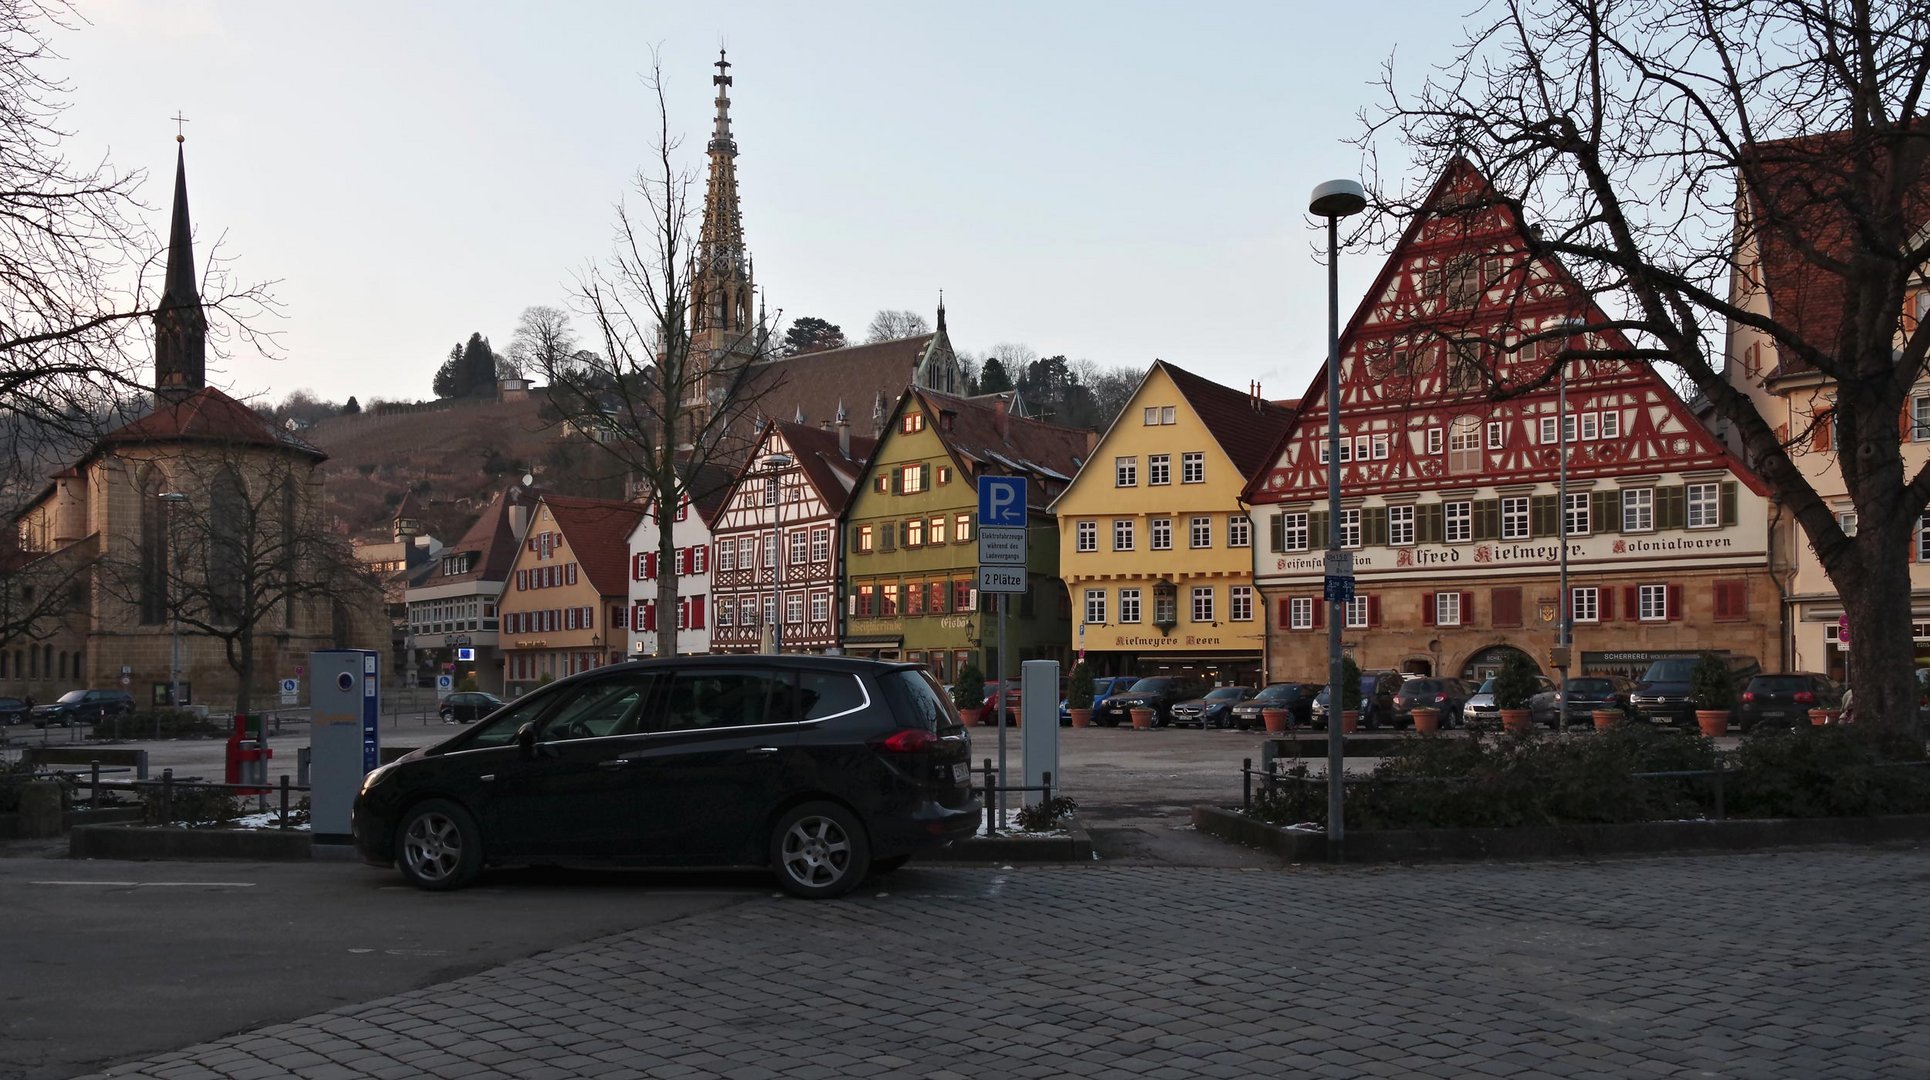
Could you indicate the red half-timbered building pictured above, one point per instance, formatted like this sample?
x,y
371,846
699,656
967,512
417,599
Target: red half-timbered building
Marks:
x,y
1451,435
780,520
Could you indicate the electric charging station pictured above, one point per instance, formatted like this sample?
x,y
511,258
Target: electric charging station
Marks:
x,y
1039,725
345,713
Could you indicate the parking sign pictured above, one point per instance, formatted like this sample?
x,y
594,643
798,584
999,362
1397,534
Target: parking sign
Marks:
x,y
1001,501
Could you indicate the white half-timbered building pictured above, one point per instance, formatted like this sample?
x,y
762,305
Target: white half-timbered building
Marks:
x,y
780,522
1449,459
690,532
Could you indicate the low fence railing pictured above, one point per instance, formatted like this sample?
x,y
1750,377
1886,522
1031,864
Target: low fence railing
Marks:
x,y
165,788
988,787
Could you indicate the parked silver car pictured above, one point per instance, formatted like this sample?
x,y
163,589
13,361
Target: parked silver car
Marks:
x,y
1481,706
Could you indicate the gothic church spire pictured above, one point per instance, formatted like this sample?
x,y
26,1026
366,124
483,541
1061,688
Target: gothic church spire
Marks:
x,y
721,321
180,326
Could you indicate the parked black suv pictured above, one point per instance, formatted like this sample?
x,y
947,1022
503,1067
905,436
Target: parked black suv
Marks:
x,y
820,768
1158,693
1662,693
83,707
1785,698
1296,698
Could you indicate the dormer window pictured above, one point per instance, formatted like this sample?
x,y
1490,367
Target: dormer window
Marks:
x,y
913,423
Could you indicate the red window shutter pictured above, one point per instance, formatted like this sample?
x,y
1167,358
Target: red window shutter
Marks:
x,y
1373,610
1820,434
1319,612
696,613
1467,609
1631,603
1605,600
1427,609
1286,612
650,566
1675,602
650,615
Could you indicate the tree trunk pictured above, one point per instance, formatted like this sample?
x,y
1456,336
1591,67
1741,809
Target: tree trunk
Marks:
x,y
1874,583
245,671
666,581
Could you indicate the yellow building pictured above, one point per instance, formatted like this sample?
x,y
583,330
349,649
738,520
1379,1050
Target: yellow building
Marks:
x,y
565,606
1155,545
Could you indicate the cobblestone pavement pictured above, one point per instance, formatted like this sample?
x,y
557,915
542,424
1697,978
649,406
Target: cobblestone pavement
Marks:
x,y
1805,965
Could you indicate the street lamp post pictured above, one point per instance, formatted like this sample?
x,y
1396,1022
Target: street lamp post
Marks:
x,y
1564,604
172,499
1334,200
776,463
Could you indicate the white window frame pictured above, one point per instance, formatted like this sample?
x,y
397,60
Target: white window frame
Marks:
x,y
1585,604
1095,607
1293,531
1159,469
1129,605
1547,435
1122,530
1239,603
726,555
1166,415
1200,532
1380,448
1611,426
1085,535
1923,538
1496,434
1436,440
793,608
1204,603
1239,531
1847,521
1400,526
1514,518
1192,467
1590,428
1125,472
1638,509
1704,502
1577,513
1300,613
1920,419
821,545
1350,528
1356,613
1652,603
1447,608
820,606
1152,416
1159,534
1457,521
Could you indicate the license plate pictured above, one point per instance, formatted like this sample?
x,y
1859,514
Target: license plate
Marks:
x,y
1778,715
959,771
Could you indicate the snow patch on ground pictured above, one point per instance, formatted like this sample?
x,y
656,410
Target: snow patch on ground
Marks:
x,y
1009,827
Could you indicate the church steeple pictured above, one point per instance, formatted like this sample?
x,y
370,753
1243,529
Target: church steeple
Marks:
x,y
180,326
720,288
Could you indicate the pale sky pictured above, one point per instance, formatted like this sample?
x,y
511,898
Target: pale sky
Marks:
x,y
1114,181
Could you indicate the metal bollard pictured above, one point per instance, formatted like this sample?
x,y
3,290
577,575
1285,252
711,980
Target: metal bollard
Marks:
x,y
1045,780
167,796
991,803
284,800
1719,801
1246,783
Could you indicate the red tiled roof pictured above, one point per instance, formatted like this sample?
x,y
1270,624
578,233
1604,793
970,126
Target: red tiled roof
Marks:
x,y
208,415
598,531
491,538
818,455
1246,427
1799,203
973,435
816,384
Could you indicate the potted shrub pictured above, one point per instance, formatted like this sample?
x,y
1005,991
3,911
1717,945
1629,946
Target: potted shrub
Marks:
x,y
1143,718
1276,720
1349,694
1079,695
1606,718
968,694
1514,684
1712,691
1427,719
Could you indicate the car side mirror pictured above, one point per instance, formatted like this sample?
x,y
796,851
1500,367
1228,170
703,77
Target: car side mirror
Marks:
x,y
526,739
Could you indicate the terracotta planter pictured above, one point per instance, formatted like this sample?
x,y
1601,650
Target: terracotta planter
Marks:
x,y
1820,717
1349,719
1081,717
1277,720
1427,721
1606,718
1143,719
1517,721
972,717
1713,722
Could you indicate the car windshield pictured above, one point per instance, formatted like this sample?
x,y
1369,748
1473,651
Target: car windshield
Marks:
x,y
1779,684
1590,686
1487,687
1668,671
73,696
1152,686
1275,691
1227,693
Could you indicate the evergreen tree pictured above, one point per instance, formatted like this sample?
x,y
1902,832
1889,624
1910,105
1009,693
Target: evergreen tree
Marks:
x,y
445,383
352,407
478,368
992,378
809,334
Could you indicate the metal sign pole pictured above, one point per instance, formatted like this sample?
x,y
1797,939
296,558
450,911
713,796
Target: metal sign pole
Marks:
x,y
1004,695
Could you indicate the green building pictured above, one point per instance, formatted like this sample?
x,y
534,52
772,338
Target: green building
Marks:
x,y
911,572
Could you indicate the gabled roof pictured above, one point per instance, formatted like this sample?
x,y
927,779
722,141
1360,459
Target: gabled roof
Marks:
x,y
1246,427
208,416
823,463
598,531
492,539
1048,455
817,384
1798,198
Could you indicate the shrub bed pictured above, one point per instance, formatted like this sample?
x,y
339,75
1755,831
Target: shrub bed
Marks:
x,y
156,724
1492,781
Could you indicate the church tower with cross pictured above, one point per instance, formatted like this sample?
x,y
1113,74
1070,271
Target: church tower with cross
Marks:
x,y
724,330
180,326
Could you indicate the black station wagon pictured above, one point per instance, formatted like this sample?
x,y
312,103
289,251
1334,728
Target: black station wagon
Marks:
x,y
821,768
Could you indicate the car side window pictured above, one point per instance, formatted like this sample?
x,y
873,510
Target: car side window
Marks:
x,y
602,708
501,729
829,693
725,697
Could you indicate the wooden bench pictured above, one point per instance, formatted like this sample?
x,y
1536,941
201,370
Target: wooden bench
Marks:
x,y
82,758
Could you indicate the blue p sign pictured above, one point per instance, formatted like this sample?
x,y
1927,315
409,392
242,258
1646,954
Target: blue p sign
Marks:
x,y
1001,501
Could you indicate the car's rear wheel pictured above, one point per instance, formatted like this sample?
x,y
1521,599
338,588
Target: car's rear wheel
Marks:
x,y
819,851
438,846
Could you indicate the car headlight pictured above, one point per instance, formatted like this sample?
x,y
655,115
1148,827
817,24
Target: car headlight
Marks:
x,y
370,778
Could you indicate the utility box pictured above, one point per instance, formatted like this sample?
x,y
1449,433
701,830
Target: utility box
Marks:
x,y
1039,725
345,712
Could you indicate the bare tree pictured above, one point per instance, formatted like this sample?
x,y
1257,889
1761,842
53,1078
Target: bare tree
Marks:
x,y
661,403
543,341
1666,146
890,325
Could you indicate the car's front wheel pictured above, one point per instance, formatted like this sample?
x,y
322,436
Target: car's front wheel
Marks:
x,y
886,866
438,846
819,851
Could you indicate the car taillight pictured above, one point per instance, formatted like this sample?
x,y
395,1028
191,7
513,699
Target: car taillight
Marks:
x,y
908,741
1803,697
1437,697
1750,695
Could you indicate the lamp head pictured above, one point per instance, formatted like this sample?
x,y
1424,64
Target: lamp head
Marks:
x,y
1337,199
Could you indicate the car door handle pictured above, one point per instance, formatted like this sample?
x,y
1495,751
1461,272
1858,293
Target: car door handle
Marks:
x,y
616,763
761,751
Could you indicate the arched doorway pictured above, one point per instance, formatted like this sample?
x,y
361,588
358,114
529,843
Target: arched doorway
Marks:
x,y
1417,665
1484,664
